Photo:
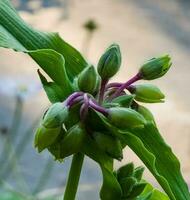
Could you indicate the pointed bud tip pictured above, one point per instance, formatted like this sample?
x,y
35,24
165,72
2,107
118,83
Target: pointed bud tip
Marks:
x,y
155,67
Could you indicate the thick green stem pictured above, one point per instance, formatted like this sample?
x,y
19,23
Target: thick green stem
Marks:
x,y
74,176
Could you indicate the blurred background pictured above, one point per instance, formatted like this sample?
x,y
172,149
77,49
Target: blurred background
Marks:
x,y
143,29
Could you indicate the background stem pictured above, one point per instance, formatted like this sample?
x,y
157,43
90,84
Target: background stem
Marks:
x,y
74,176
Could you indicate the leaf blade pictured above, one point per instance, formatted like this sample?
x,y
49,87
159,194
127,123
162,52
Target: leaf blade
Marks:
x,y
17,35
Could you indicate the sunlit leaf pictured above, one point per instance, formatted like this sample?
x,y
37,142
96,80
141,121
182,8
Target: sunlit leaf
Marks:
x,y
17,35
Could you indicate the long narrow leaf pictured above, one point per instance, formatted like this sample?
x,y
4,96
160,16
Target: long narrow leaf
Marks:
x,y
158,157
149,145
17,35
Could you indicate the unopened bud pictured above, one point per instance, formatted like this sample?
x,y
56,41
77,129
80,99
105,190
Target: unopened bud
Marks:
x,y
124,118
138,172
125,171
147,93
72,141
136,190
112,146
127,185
109,62
87,80
155,67
124,100
44,137
55,116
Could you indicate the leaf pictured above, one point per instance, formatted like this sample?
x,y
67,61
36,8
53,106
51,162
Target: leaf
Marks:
x,y
151,193
158,157
53,91
17,35
150,147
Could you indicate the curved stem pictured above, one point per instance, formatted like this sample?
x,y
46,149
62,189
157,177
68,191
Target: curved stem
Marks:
x,y
98,108
125,85
74,176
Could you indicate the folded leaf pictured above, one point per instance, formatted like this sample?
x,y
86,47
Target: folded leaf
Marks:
x,y
54,92
17,35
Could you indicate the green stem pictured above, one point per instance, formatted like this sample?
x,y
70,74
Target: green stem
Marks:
x,y
74,176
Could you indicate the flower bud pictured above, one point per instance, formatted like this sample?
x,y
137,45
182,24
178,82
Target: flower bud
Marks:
x,y
55,116
124,100
72,141
127,185
136,190
155,67
109,62
124,118
87,80
44,137
125,171
145,112
107,143
138,172
147,93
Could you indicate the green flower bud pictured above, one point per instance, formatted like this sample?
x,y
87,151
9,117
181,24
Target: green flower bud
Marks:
x,y
55,148
72,141
87,80
147,93
55,116
145,112
136,190
125,171
155,67
44,137
127,185
138,172
124,118
109,62
107,143
124,100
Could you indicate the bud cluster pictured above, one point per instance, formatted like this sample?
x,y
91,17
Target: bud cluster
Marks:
x,y
66,126
130,181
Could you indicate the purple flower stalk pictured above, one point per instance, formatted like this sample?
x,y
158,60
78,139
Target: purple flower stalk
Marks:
x,y
98,108
125,85
84,107
69,101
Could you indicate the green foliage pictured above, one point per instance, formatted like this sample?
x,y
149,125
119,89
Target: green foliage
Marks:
x,y
17,35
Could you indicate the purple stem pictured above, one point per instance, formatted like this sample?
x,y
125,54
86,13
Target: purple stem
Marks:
x,y
102,90
72,97
115,85
125,85
76,100
84,108
98,108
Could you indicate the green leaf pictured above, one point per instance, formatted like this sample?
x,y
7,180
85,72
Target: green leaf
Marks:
x,y
150,147
17,35
158,157
151,193
54,92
